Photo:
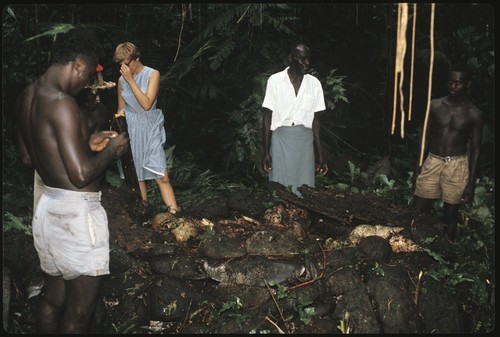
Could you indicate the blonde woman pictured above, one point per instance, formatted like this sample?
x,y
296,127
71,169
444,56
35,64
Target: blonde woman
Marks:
x,y
138,88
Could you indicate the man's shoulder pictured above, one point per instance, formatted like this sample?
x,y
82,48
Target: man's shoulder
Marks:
x,y
475,112
312,78
28,91
439,100
472,105
51,96
276,79
50,102
313,82
278,74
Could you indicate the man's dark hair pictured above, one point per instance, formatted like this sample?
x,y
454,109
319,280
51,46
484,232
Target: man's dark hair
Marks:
x,y
462,68
77,42
294,50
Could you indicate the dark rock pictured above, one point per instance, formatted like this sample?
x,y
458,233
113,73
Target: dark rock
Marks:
x,y
244,202
439,309
396,312
255,271
249,296
376,247
271,242
220,246
170,300
361,316
319,326
164,248
215,208
342,281
178,266
338,258
113,314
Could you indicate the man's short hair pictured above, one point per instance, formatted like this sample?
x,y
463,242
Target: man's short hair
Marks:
x,y
462,68
77,42
298,46
294,50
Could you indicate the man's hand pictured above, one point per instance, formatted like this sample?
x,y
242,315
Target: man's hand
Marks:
x,y
99,140
468,195
266,163
322,168
119,144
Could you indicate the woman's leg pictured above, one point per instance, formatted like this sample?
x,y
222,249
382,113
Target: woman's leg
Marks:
x,y
144,190
167,193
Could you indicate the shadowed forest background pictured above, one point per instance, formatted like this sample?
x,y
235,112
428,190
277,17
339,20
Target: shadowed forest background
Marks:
x,y
214,60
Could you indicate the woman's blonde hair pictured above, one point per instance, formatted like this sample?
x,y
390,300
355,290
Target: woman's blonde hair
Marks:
x,y
126,50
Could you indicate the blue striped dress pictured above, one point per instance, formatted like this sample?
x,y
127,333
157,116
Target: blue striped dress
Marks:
x,y
146,130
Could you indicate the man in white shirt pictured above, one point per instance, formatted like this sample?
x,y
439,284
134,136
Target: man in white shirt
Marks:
x,y
291,128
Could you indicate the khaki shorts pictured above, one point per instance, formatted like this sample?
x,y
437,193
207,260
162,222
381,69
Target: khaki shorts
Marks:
x,y
443,177
70,233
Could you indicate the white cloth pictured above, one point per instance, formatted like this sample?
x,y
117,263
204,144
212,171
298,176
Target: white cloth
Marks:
x,y
292,153
38,187
70,233
290,109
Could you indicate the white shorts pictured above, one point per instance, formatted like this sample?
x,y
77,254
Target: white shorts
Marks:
x,y
70,233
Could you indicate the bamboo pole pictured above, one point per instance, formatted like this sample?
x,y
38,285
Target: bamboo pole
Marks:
x,y
404,26
399,65
410,100
429,92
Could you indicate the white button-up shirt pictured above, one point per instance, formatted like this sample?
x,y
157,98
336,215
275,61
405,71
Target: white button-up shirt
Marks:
x,y
290,109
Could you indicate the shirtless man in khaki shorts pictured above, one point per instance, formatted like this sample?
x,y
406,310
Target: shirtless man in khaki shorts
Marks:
x,y
449,171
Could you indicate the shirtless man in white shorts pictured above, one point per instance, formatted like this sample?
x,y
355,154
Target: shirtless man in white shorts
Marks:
x,y
69,226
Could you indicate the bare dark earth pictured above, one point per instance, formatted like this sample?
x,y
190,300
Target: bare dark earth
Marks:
x,y
330,262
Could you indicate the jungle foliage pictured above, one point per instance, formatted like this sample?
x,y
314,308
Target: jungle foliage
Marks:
x,y
215,58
